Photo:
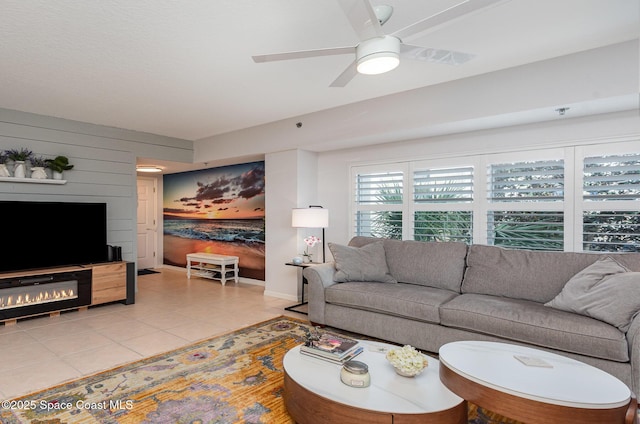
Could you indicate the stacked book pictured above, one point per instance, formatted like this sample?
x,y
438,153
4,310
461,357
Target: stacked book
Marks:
x,y
332,347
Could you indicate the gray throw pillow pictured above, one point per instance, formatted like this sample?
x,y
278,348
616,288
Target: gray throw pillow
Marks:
x,y
605,291
366,263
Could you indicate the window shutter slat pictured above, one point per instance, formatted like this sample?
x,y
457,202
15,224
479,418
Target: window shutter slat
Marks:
x,y
379,188
605,179
443,185
526,181
443,226
526,230
614,177
611,231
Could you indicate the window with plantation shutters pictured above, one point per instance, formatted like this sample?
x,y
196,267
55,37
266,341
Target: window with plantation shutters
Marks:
x,y
442,198
574,198
378,204
611,195
521,185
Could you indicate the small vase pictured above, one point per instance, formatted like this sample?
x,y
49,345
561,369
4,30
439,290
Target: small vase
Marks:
x,y
57,175
306,259
38,173
4,172
19,169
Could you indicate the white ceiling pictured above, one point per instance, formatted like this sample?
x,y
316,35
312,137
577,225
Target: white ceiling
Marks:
x,y
184,68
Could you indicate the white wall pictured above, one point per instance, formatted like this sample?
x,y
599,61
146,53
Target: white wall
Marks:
x,y
290,183
333,167
104,160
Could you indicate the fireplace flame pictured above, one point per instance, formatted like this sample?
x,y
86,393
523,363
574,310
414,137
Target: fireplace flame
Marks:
x,y
43,296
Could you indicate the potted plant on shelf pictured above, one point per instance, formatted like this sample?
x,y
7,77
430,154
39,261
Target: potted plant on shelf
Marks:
x,y
19,156
38,163
58,165
4,171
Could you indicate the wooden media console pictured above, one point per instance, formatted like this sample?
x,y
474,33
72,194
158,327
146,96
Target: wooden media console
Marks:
x,y
50,291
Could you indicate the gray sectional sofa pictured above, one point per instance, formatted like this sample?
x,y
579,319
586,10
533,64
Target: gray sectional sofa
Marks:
x,y
428,294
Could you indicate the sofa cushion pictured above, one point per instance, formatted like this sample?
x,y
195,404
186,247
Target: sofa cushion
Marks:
x,y
604,290
522,274
432,264
367,263
405,300
531,322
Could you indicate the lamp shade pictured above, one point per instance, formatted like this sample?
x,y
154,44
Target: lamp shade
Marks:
x,y
310,218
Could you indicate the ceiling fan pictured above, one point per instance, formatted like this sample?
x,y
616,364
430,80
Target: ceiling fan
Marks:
x,y
378,52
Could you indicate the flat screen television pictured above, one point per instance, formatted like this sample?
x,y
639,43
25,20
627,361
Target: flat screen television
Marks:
x,y
51,234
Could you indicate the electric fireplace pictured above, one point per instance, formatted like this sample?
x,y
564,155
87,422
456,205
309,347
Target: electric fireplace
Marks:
x,y
24,296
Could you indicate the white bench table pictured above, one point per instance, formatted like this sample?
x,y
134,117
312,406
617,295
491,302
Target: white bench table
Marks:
x,y
215,267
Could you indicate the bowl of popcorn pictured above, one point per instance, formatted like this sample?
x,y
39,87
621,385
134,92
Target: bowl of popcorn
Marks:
x,y
407,361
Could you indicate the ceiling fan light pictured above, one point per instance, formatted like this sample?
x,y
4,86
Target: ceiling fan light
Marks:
x,y
378,55
378,63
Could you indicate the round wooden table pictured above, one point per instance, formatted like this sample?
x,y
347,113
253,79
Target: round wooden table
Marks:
x,y
314,394
551,388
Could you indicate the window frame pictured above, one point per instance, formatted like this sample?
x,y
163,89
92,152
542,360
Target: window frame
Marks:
x,y
572,206
444,206
581,205
354,207
563,206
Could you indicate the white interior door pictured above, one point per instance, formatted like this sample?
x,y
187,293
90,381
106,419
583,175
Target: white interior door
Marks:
x,y
147,226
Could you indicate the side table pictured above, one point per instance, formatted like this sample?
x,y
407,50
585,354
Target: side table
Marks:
x,y
292,308
314,394
551,389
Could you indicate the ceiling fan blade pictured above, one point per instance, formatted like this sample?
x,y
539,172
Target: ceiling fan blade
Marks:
x,y
303,54
464,8
346,76
447,57
362,17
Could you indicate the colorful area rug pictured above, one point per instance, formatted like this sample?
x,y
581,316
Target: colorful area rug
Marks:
x,y
234,378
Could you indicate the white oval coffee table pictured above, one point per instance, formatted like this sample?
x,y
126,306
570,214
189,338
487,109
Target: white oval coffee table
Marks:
x,y
314,394
551,389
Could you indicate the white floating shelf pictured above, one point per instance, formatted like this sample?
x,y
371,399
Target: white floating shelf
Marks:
x,y
32,180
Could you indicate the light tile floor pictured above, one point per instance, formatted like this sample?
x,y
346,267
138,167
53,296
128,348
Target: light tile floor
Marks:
x,y
170,311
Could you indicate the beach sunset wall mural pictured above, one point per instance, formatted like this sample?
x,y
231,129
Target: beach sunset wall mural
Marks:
x,y
217,210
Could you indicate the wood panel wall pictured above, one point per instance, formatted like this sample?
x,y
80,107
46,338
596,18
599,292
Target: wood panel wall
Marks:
x,y
104,160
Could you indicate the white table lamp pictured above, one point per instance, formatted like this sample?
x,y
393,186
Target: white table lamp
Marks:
x,y
311,217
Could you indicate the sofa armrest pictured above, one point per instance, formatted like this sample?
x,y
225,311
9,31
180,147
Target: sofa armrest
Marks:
x,y
633,339
318,277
